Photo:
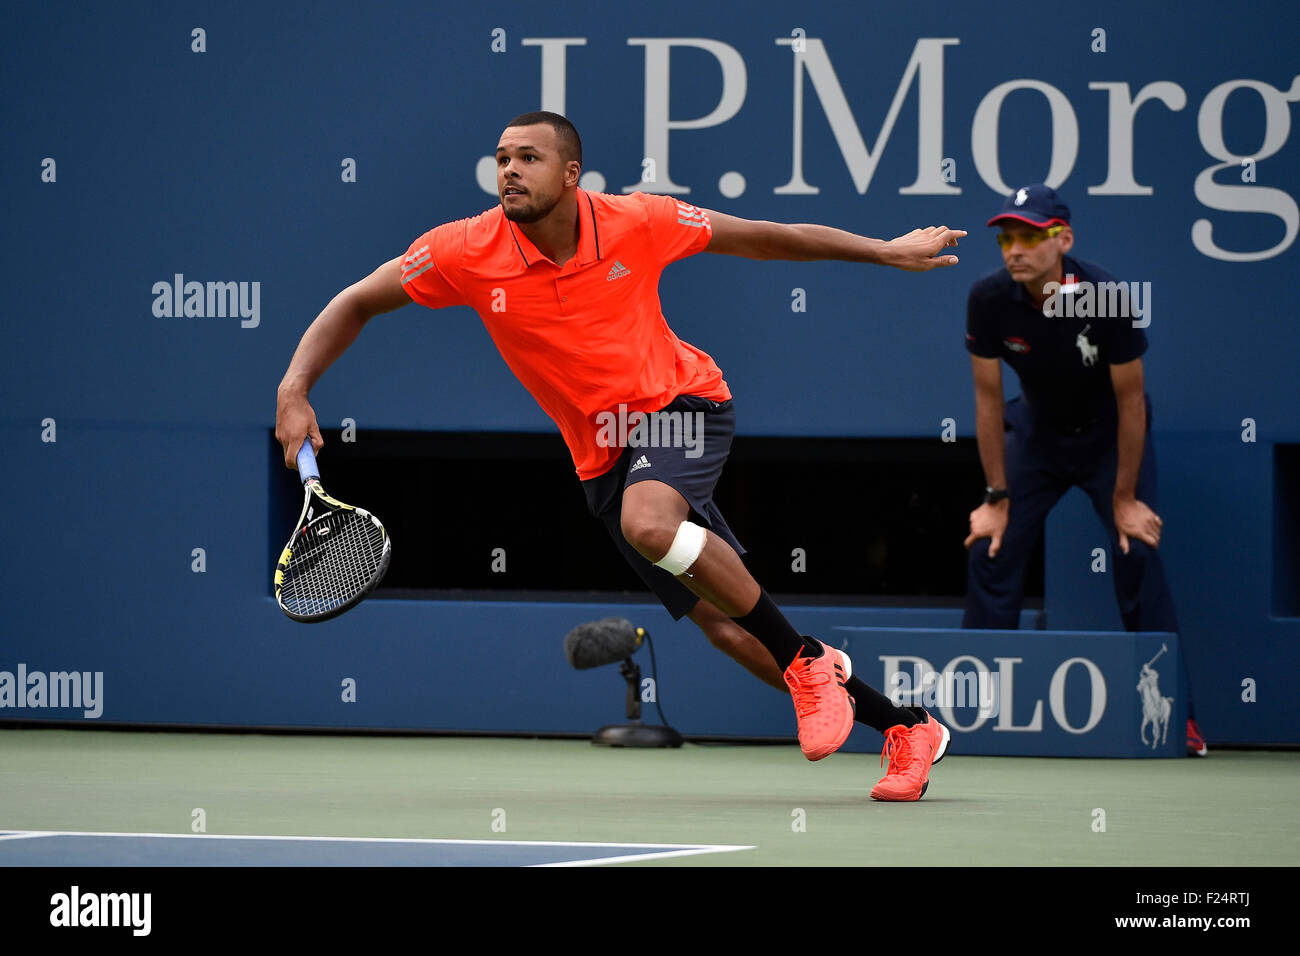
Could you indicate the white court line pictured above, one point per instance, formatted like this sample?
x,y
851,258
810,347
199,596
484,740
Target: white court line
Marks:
x,y
695,851
673,849
26,835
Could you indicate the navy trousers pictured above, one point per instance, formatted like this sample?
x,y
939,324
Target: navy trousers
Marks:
x,y
1042,465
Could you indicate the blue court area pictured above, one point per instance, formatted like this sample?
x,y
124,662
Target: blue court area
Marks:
x,y
37,848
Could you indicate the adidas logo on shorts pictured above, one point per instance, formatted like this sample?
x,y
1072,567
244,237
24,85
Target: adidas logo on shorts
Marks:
x,y
641,462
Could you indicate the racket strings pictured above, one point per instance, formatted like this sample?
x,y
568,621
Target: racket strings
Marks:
x,y
335,558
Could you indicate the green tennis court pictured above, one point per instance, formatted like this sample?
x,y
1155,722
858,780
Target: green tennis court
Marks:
x,y
730,805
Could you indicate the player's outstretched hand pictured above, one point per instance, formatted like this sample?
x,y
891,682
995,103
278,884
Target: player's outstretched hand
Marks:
x,y
1133,519
989,521
918,251
295,420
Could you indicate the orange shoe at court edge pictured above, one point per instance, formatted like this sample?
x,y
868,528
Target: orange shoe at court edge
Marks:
x,y
912,751
822,706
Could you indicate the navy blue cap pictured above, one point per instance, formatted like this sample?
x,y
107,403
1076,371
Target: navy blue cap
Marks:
x,y
1037,205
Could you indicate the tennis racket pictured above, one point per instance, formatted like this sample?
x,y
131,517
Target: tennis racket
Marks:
x,y
336,556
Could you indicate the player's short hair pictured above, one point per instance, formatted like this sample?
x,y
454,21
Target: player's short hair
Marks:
x,y
570,142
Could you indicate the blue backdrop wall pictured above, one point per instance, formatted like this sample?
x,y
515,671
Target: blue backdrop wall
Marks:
x,y
291,148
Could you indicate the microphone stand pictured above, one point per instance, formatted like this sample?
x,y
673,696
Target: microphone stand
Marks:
x,y
634,733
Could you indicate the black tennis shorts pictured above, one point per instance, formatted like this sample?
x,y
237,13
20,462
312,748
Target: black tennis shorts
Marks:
x,y
686,453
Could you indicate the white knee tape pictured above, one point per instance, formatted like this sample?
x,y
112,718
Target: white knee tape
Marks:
x,y
685,550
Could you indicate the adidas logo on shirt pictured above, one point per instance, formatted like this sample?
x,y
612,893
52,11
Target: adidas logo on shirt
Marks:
x,y
617,271
640,463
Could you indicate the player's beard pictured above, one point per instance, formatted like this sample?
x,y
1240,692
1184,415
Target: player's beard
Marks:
x,y
531,211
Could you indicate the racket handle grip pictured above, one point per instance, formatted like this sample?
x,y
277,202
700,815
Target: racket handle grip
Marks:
x,y
307,469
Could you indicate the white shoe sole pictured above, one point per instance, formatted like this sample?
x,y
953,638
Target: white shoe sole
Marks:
x,y
943,745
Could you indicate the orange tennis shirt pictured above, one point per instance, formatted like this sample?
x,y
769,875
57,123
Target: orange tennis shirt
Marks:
x,y
585,337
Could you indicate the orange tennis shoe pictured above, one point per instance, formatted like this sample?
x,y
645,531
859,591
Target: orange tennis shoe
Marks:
x,y
822,706
912,751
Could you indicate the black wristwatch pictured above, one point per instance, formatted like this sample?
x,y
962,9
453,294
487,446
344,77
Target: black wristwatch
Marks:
x,y
993,495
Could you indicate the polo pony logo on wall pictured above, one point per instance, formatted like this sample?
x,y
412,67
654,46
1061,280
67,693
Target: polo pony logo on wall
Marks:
x,y
1155,707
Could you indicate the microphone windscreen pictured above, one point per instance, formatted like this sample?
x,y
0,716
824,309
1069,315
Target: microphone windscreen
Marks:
x,y
597,643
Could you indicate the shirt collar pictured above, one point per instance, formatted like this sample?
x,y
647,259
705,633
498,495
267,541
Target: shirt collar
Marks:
x,y
588,237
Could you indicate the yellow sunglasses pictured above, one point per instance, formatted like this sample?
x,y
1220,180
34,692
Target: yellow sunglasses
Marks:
x,y
1027,239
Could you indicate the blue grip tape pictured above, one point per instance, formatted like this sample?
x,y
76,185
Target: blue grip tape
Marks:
x,y
307,462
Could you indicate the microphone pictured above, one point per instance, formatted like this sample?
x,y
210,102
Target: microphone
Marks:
x,y
606,641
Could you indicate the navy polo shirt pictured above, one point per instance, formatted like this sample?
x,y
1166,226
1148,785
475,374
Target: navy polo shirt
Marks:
x,y
1063,363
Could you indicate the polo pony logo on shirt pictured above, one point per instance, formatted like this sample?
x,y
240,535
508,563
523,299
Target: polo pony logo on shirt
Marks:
x,y
617,271
1086,348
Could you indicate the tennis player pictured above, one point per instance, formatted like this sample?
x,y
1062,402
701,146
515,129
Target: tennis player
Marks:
x,y
566,282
